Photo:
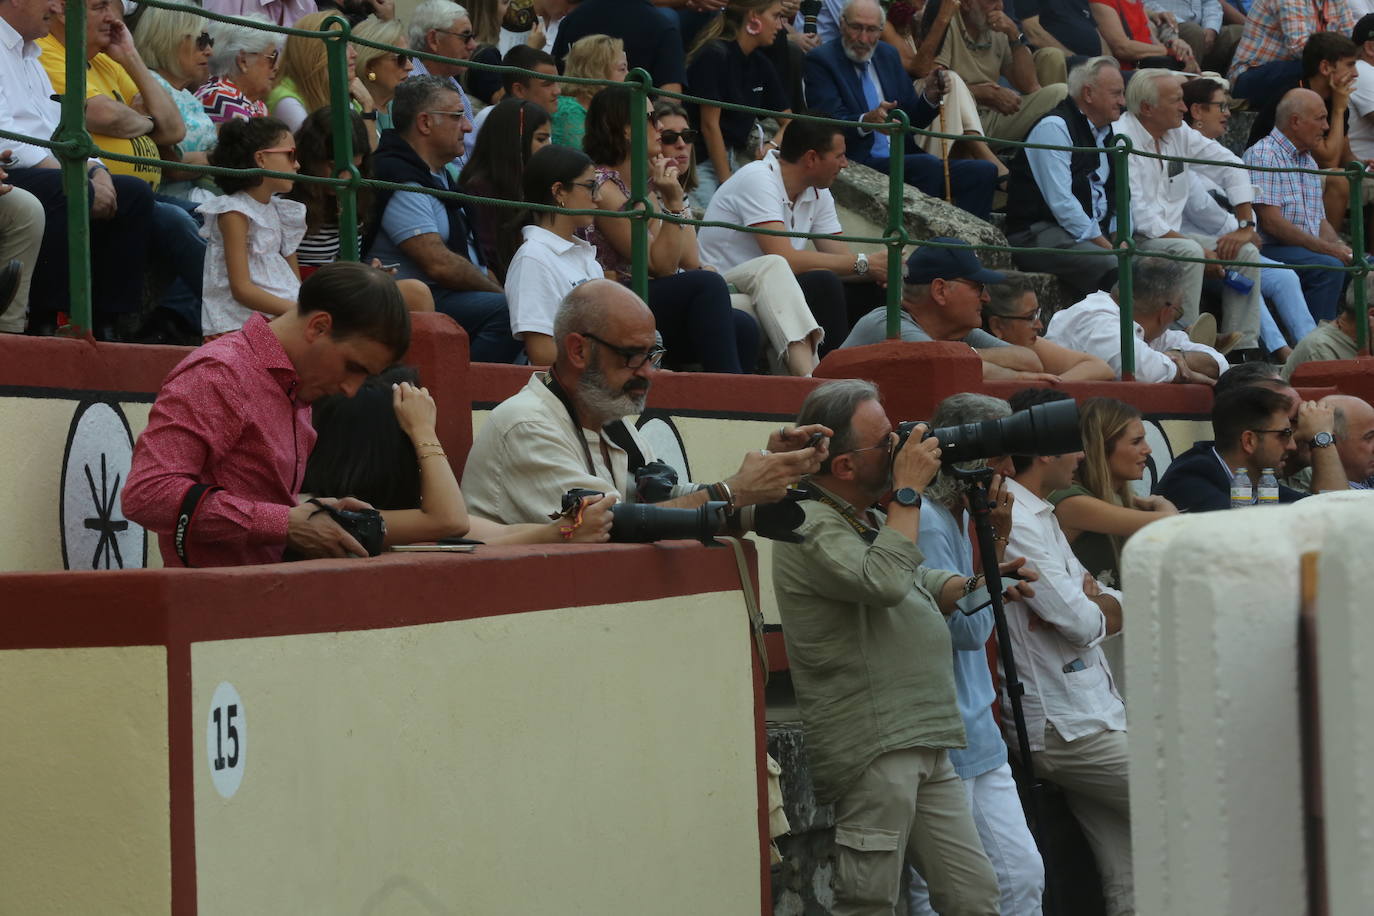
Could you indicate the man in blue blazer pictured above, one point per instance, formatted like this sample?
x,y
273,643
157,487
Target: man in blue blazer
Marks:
x,y
858,77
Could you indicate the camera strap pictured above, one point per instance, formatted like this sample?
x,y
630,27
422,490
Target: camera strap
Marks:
x,y
751,604
616,431
861,528
189,504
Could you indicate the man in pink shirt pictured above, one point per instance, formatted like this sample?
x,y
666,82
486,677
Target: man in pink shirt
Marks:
x,y
217,472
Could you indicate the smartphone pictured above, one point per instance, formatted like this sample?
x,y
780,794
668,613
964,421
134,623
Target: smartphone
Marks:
x,y
815,440
390,268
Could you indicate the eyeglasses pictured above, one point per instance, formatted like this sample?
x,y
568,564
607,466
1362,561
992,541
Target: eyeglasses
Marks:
x,y
204,42
1284,434
863,29
888,441
288,151
671,137
591,188
457,115
270,58
1033,316
464,37
979,288
1223,107
633,358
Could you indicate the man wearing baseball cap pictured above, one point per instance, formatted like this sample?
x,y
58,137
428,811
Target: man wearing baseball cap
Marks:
x,y
943,292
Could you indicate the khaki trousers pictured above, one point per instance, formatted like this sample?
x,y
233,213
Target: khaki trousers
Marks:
x,y
1239,312
1033,107
21,234
1092,771
910,806
960,113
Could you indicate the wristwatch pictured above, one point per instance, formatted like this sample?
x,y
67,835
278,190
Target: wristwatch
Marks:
x,y
1247,224
1322,440
861,265
907,496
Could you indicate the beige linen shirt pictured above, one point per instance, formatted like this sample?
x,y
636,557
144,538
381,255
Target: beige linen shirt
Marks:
x,y
976,62
868,648
528,455
1325,341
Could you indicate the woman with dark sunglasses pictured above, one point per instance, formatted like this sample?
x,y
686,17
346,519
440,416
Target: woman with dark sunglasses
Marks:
x,y
176,47
381,71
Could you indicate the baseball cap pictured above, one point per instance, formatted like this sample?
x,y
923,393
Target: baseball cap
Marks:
x,y
1364,29
927,264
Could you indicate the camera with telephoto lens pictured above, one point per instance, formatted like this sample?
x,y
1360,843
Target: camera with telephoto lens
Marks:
x,y
810,11
1044,429
365,525
656,482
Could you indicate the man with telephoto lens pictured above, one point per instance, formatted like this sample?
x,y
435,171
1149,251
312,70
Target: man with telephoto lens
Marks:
x,y
565,430
871,660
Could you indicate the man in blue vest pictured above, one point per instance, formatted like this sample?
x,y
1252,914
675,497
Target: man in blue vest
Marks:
x,y
1057,199
858,77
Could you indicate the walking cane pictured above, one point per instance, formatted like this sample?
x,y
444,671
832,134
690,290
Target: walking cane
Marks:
x,y
944,141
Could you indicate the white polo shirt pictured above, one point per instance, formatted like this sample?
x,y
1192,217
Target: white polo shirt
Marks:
x,y
545,268
755,195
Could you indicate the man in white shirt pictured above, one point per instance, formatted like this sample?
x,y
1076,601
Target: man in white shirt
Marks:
x,y
1159,192
1075,718
790,191
1362,99
1161,353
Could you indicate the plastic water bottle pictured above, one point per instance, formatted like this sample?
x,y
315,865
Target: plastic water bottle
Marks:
x,y
1268,488
1239,282
1242,493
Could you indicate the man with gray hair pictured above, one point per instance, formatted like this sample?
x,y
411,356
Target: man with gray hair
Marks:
x,y
1353,428
444,27
1159,194
431,238
871,661
1161,353
1058,199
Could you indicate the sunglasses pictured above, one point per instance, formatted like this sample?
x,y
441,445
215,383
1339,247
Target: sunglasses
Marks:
x,y
402,60
671,137
204,42
464,37
288,151
1284,434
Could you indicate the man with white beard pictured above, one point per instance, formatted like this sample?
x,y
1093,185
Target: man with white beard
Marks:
x,y
565,428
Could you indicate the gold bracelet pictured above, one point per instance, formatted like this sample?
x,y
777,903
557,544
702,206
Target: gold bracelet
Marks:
x,y
420,445
439,454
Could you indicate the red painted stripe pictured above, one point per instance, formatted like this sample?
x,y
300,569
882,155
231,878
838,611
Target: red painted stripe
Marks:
x,y
181,744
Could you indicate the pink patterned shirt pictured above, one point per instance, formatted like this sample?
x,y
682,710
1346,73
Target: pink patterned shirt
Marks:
x,y
227,415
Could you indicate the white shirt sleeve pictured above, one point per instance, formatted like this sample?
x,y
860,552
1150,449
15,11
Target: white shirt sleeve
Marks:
x,y
290,112
534,289
1235,182
1059,599
826,221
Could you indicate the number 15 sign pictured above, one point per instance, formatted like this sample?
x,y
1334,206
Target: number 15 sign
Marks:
x,y
226,739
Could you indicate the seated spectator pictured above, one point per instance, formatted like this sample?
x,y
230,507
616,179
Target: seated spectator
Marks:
x,y
302,83
1288,203
1141,38
493,170
1012,315
356,11
1268,59
565,428
243,63
281,12
691,306
1200,24
541,90
381,446
486,85
251,262
982,765
216,471
1154,123
534,24
678,139
1353,428
790,190
431,238
652,43
121,206
551,260
381,71
596,57
1254,431
859,78
1210,213
1068,25
176,47
943,294
984,45
21,236
1331,339
1361,126
727,65
1075,718
1099,511
1162,354
1057,199
443,27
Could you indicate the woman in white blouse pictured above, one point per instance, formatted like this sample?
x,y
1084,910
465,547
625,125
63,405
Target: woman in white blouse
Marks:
x,y
551,260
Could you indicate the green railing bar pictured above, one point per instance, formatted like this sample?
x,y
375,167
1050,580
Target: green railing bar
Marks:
x,y
896,224
639,204
336,49
1125,252
1356,175
73,149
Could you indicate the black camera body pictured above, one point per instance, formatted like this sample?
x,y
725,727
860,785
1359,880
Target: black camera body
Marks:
x,y
643,523
1044,429
366,526
810,11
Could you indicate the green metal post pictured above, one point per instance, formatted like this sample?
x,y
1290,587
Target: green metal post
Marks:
x,y
896,222
340,105
1125,252
639,183
1357,244
76,147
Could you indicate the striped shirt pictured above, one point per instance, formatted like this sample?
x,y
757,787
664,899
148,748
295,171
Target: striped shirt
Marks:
x,y
1278,29
1297,195
224,101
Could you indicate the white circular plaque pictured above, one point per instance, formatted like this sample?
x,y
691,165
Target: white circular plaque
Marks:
x,y
95,533
226,739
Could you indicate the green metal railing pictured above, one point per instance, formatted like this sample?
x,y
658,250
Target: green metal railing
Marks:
x,y
73,147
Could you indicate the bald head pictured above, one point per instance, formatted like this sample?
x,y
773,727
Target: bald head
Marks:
x,y
1354,430
1301,116
593,306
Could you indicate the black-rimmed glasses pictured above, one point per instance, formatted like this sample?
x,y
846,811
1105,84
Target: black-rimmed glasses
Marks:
x,y
634,357
204,42
1284,434
671,137
464,37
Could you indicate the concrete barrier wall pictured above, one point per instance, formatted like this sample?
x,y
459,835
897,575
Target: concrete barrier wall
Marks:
x,y
395,735
1211,642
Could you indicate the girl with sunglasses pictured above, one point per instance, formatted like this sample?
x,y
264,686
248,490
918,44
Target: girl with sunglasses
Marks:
x,y
250,263
382,71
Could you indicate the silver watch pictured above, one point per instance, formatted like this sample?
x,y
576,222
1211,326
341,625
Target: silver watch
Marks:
x,y
861,265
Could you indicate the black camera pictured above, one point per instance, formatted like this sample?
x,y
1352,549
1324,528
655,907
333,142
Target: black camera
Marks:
x,y
1044,429
642,523
366,526
810,11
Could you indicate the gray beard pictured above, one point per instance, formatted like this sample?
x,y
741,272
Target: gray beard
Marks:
x,y
855,55
600,402
975,16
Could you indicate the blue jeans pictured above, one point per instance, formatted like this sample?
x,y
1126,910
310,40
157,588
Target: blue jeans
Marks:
x,y
486,318
1321,287
178,247
1283,292
1268,81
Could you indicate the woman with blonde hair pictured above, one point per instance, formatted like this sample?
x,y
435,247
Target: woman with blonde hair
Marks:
x,y
1100,511
379,70
595,57
176,47
302,84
